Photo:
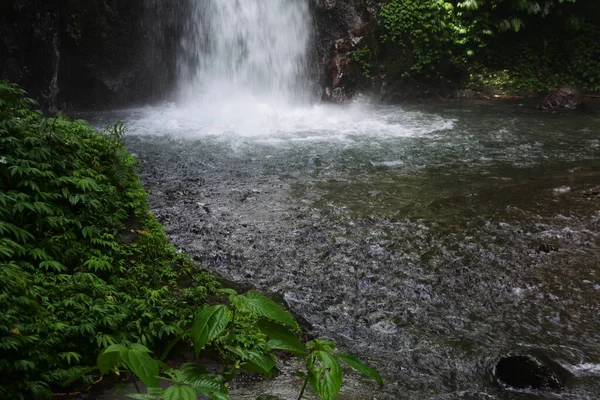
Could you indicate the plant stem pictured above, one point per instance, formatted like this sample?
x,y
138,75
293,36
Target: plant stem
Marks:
x,y
135,383
303,387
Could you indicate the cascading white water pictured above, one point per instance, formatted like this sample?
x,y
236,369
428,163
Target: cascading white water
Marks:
x,y
243,73
253,48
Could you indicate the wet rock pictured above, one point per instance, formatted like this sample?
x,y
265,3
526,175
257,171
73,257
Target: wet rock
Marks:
x,y
593,192
528,372
564,97
341,28
342,75
546,248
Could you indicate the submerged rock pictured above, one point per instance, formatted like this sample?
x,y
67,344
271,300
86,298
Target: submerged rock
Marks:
x,y
528,372
564,97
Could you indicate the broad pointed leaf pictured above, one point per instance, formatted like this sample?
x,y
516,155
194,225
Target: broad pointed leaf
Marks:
x,y
143,366
143,396
282,338
206,385
364,369
263,364
222,395
208,324
178,392
324,375
140,347
107,361
115,348
266,307
192,372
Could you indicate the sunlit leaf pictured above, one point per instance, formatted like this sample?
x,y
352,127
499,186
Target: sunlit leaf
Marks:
x,y
324,374
266,307
178,392
356,364
208,324
142,365
282,338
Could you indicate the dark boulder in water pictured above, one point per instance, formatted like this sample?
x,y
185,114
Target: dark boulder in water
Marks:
x,y
564,97
528,372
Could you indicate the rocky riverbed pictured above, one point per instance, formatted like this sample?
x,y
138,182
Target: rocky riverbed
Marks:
x,y
429,240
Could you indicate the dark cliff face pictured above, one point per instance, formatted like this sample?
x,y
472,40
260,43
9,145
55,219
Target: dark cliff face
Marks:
x,y
27,30
111,53
341,27
104,53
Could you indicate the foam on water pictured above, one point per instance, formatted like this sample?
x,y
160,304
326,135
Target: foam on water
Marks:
x,y
586,369
246,118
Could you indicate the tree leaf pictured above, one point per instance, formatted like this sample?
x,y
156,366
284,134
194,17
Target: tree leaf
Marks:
x,y
208,324
107,360
192,372
266,307
263,363
140,347
324,374
364,369
142,365
179,392
222,395
144,396
282,338
321,345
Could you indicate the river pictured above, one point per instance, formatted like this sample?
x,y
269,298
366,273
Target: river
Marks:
x,y
429,239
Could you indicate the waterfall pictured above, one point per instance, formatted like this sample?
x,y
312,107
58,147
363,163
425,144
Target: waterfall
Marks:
x,y
253,48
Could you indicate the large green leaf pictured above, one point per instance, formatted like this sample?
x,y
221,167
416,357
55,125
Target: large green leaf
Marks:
x,y
208,324
115,348
263,363
142,365
140,348
107,360
222,395
192,372
360,367
282,338
324,374
178,392
260,363
266,307
321,345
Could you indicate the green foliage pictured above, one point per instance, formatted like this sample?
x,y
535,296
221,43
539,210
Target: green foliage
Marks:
x,y
216,325
83,264
362,56
505,46
428,31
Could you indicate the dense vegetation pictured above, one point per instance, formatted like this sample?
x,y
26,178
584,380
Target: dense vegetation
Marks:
x,y
83,264
506,46
86,270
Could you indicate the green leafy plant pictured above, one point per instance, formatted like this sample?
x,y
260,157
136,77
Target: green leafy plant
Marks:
x,y
362,56
83,263
214,325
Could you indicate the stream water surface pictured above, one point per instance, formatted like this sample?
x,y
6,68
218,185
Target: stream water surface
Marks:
x,y
430,239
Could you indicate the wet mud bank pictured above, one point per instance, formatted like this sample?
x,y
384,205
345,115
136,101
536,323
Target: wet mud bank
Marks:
x,y
432,269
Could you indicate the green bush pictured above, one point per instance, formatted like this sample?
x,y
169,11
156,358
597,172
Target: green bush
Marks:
x,y
428,31
525,46
83,264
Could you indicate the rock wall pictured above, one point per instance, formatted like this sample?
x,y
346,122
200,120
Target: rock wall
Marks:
x,y
90,54
99,54
341,27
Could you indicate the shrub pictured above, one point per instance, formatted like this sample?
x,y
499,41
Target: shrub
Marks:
x,y
83,264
